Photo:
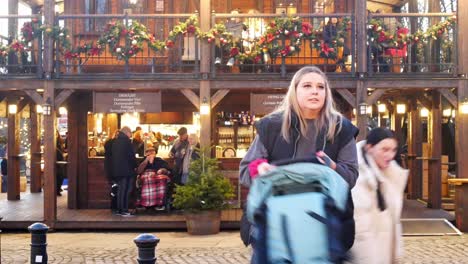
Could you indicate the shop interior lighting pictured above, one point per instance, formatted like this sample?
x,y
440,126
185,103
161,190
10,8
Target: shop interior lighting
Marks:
x,y
39,109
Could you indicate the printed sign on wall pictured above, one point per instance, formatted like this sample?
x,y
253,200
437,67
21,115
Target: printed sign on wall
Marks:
x,y
262,104
127,102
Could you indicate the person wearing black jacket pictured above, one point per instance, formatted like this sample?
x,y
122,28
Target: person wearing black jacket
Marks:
x,y
4,170
108,170
123,168
307,125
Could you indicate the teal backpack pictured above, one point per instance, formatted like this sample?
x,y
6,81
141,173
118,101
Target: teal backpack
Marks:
x,y
297,212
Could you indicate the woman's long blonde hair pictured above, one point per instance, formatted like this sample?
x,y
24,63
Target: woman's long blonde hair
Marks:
x,y
329,117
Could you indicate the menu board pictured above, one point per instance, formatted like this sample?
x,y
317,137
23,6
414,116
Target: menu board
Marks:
x,y
127,102
262,104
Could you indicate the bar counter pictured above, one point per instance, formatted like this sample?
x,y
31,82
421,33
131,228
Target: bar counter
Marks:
x,y
99,189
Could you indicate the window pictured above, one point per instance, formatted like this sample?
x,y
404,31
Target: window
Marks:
x,y
95,7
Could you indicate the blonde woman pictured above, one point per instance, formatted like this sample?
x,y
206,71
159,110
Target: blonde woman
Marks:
x,y
306,125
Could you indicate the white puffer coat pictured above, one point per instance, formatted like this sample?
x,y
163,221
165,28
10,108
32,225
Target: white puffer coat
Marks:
x,y
378,233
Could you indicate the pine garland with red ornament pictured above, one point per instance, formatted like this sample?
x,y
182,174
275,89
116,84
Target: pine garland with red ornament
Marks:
x,y
384,39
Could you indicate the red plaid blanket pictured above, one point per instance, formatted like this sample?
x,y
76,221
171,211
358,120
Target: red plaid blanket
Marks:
x,y
153,188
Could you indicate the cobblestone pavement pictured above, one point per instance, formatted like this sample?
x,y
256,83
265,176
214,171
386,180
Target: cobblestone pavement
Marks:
x,y
179,248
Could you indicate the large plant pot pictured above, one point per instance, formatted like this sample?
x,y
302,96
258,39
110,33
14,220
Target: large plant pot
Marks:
x,y
203,223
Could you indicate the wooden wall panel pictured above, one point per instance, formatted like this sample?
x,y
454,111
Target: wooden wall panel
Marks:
x,y
244,5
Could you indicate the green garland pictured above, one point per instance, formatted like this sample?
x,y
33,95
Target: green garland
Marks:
x,y
125,42
381,38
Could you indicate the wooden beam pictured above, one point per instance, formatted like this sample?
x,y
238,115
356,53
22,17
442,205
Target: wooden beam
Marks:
x,y
425,102
62,96
374,97
348,96
451,98
403,82
218,96
35,96
22,104
193,97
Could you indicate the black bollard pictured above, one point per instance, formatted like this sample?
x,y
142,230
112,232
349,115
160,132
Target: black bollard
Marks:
x,y
38,242
146,244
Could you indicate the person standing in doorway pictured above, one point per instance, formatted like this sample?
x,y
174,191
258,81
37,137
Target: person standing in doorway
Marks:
x,y
4,171
193,153
178,152
123,168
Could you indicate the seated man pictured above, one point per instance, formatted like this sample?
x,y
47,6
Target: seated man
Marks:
x,y
153,180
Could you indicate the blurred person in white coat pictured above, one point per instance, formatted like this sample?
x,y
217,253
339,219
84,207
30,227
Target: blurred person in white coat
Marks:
x,y
378,200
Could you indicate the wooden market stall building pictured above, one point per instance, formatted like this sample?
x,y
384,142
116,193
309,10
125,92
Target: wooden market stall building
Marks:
x,y
198,63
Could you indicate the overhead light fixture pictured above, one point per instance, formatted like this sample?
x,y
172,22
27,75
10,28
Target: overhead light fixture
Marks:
x,y
47,107
424,112
63,110
447,112
464,107
363,108
204,107
12,109
382,108
401,108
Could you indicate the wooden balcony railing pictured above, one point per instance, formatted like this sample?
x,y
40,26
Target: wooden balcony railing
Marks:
x,y
168,45
272,44
21,56
412,44
122,44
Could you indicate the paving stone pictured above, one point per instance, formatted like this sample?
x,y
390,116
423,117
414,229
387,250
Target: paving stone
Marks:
x,y
180,248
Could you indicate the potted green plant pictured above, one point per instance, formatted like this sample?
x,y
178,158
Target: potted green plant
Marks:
x,y
204,196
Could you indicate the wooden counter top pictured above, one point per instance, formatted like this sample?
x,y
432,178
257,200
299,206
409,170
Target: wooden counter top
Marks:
x,y
458,181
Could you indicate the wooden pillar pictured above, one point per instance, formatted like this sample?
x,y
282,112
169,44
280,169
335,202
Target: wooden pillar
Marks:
x,y
461,122
361,35
50,196
13,22
13,171
77,170
414,150
13,34
435,139
49,17
361,97
35,139
205,86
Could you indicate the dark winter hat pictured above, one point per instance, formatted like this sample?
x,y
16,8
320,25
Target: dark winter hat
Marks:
x,y
378,134
182,131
